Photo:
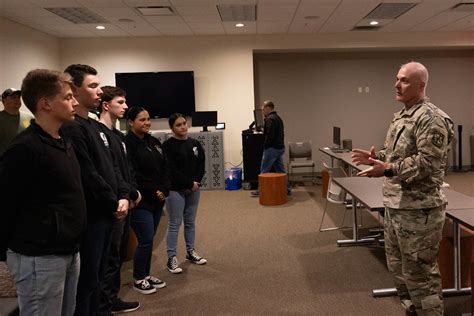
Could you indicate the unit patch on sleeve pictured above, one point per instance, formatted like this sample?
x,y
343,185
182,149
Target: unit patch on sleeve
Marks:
x,y
437,139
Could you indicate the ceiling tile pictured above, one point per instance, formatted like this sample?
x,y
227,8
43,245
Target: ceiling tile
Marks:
x,y
102,3
207,25
27,12
202,18
460,25
145,3
272,27
7,4
191,2
115,13
440,20
56,3
164,27
272,2
197,9
347,14
276,12
163,19
237,2
302,27
418,14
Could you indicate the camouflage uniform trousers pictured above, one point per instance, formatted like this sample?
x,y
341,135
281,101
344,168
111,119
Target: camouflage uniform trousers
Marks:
x,y
412,240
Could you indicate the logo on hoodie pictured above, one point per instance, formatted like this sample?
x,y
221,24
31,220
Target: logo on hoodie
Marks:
x,y
104,139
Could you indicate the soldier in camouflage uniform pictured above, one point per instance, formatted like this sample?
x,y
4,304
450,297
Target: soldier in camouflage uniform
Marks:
x,y
413,162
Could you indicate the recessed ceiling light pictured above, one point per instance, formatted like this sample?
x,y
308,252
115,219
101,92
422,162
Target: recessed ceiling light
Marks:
x,y
374,23
100,27
239,25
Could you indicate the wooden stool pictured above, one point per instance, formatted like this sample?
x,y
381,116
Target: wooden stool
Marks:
x,y
272,188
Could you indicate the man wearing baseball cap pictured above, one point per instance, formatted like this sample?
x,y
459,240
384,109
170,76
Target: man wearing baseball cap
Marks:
x,y
12,120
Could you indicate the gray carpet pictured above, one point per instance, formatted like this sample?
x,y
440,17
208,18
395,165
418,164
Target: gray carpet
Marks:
x,y
273,260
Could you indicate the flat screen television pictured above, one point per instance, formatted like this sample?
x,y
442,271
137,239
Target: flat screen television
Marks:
x,y
336,136
160,93
204,119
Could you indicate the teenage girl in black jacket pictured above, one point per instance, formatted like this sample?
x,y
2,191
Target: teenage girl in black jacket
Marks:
x,y
153,182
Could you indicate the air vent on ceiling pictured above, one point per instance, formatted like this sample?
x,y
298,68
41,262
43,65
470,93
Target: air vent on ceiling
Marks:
x,y
365,28
233,13
389,10
78,15
155,10
464,7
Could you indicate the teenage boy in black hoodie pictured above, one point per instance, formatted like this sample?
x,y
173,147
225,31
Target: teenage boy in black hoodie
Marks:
x,y
112,107
105,191
43,206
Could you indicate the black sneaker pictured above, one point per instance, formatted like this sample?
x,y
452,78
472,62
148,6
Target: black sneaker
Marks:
x,y
120,306
155,282
254,193
173,265
144,287
195,258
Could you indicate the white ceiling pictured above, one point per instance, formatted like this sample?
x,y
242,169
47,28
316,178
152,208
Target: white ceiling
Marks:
x,y
201,17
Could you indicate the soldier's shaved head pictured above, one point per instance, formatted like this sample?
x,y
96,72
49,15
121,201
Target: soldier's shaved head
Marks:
x,y
418,70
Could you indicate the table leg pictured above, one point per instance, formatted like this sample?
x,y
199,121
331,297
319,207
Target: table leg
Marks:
x,y
457,255
355,230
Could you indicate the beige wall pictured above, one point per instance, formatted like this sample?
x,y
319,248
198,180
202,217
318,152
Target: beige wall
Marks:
x,y
23,49
314,92
224,70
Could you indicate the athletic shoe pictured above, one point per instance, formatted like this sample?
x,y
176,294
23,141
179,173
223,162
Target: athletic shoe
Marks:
x,y
155,282
120,306
173,265
143,286
195,258
254,193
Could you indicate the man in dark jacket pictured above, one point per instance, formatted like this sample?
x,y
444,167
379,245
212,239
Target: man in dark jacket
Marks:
x,y
43,211
105,191
274,143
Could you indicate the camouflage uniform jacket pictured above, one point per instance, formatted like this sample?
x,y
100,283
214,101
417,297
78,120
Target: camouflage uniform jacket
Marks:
x,y
416,146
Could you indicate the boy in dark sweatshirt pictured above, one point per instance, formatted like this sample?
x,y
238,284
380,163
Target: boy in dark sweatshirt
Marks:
x,y
44,211
112,107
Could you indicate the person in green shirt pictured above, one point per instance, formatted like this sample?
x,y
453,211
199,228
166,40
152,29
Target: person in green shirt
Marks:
x,y
12,120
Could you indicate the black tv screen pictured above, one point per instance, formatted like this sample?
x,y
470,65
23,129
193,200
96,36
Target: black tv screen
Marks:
x,y
160,93
204,119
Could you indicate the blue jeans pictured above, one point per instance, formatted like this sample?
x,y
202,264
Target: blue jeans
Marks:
x,y
46,285
273,158
144,223
94,256
181,207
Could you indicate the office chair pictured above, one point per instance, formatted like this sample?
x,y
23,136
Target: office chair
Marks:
x,y
298,151
335,194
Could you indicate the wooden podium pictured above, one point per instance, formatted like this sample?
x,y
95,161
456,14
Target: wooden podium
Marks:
x,y
272,188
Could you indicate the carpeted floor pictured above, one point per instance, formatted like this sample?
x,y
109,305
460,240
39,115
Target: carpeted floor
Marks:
x,y
273,260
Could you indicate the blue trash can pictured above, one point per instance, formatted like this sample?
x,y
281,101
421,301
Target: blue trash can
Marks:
x,y
233,178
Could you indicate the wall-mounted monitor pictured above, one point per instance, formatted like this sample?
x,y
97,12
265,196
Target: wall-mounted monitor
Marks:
x,y
258,117
204,119
160,93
